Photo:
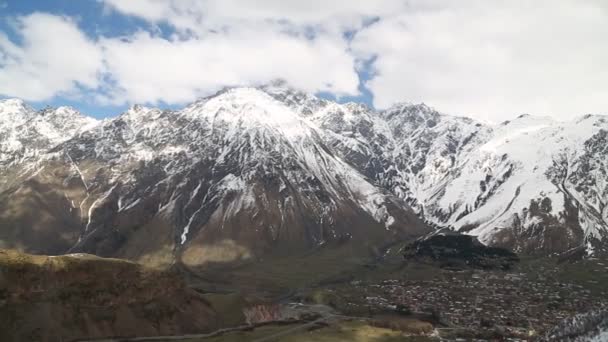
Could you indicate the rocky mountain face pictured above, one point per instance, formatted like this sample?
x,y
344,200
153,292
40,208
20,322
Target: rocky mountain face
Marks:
x,y
229,178
26,133
250,172
532,184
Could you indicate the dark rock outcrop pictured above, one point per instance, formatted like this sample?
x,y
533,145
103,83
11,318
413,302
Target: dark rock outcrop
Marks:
x,y
455,250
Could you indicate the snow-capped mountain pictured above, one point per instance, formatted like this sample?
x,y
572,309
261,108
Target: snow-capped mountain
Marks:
x,y
255,171
25,133
532,184
230,177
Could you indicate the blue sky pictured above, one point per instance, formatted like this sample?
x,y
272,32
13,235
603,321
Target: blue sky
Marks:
x,y
491,60
93,20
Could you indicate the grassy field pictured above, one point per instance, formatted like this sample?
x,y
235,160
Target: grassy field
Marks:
x,y
228,307
278,276
351,331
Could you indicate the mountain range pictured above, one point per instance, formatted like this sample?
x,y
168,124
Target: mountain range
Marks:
x,y
252,172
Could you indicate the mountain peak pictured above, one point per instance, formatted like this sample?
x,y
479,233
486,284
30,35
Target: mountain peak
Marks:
x,y
528,120
14,105
300,101
597,118
14,112
410,109
415,114
64,119
137,110
14,102
62,111
246,108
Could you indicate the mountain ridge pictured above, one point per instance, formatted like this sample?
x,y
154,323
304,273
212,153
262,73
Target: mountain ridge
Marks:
x,y
247,150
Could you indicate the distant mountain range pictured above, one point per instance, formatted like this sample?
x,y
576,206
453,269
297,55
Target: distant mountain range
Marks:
x,y
250,172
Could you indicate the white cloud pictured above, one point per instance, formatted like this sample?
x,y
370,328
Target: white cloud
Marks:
x,y
492,59
488,59
146,68
53,58
233,42
207,52
199,15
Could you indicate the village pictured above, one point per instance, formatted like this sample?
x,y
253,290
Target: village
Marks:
x,y
519,303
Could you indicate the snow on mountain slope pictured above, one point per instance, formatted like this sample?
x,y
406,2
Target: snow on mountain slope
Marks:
x,y
429,146
532,184
26,133
238,170
260,170
395,147
15,112
515,180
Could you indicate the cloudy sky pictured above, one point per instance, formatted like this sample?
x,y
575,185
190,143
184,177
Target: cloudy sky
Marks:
x,y
487,59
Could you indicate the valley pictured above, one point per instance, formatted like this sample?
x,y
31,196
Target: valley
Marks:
x,y
394,300
269,214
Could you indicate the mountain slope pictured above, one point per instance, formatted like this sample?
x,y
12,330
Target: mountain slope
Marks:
x,y
458,173
229,178
77,296
531,184
26,133
521,179
35,214
250,172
